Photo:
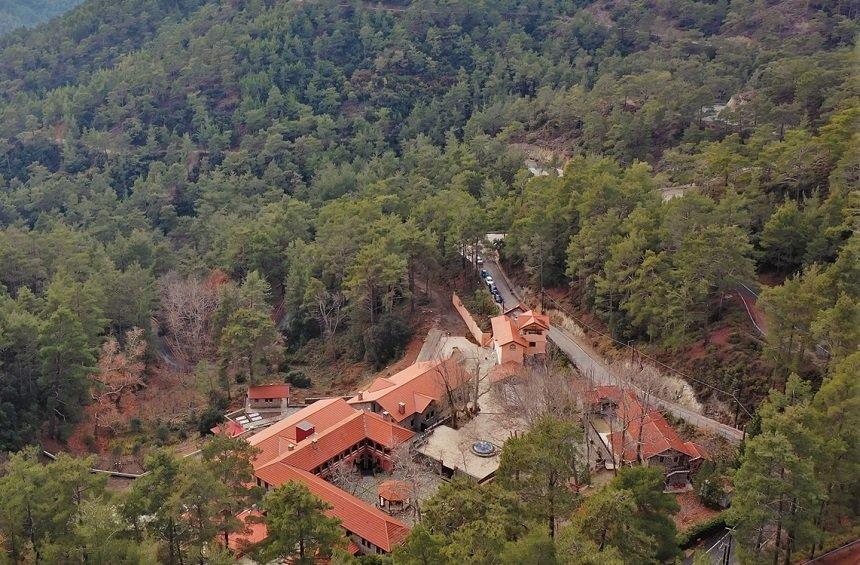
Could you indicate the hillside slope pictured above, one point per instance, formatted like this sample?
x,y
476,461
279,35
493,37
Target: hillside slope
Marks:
x,y
28,13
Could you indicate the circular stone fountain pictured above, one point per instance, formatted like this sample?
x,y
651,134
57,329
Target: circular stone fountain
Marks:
x,y
483,449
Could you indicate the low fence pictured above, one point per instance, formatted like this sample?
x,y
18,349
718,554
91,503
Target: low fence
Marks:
x,y
118,474
483,338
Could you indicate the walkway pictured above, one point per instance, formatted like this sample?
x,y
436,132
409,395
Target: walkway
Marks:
x,y
596,368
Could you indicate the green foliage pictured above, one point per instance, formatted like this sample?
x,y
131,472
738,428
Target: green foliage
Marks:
x,y
386,340
708,484
421,548
543,466
61,512
653,507
66,358
230,462
332,160
297,379
20,13
298,528
691,535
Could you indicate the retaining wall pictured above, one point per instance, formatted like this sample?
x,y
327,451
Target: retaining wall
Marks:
x,y
483,338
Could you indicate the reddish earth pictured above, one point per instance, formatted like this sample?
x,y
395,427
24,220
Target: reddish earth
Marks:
x,y
692,511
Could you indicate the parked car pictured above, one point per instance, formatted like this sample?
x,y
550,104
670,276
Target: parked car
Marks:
x,y
480,260
494,289
489,280
485,273
498,298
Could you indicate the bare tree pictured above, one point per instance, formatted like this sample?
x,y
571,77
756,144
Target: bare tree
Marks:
x,y
346,476
120,372
328,309
186,314
542,389
416,472
455,380
646,383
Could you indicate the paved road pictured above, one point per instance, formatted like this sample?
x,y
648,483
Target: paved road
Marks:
x,y
597,370
715,547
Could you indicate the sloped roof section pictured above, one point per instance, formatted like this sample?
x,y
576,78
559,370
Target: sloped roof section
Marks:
x,y
649,427
322,414
505,331
269,391
315,450
355,515
530,318
416,386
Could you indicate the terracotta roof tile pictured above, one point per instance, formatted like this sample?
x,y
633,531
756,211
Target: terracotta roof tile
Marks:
x,y
253,533
656,435
416,386
315,450
505,331
395,491
355,515
269,391
323,414
529,317
228,428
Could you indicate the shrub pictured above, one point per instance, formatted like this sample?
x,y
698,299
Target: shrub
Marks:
x,y
708,485
218,399
209,418
386,340
135,425
162,433
297,379
692,534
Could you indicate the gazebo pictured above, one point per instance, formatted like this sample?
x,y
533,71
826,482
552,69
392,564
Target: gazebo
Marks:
x,y
394,495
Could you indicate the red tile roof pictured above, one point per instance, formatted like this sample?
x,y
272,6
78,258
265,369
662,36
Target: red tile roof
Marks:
x,y
395,491
269,391
228,428
356,516
656,435
253,533
504,371
529,318
505,331
322,414
319,448
519,308
416,386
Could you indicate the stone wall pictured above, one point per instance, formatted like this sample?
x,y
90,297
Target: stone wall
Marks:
x,y
483,338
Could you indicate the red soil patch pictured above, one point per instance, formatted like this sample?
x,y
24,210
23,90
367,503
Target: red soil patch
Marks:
x,y
720,337
692,511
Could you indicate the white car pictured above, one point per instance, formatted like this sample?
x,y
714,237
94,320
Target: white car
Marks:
x,y
489,281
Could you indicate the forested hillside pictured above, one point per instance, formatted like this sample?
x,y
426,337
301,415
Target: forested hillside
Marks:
x,y
250,183
28,13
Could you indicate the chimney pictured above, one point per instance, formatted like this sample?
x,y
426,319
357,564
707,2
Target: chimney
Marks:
x,y
386,416
361,395
401,407
304,429
291,446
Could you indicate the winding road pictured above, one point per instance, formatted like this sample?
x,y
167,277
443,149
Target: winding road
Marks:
x,y
589,365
